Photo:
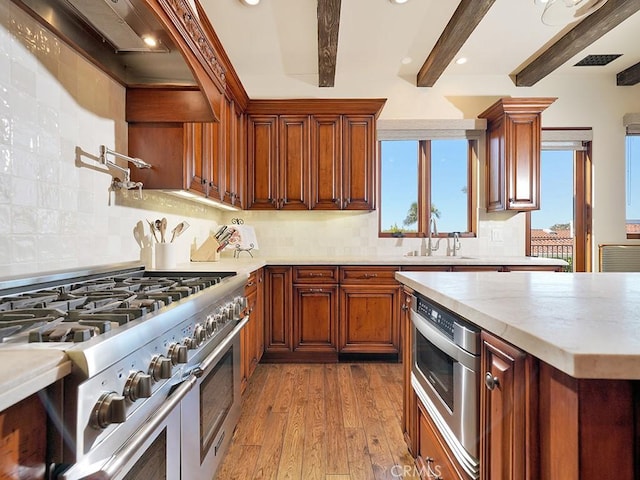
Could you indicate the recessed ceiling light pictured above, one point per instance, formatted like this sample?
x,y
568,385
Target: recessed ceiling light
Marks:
x,y
150,41
461,60
399,2
251,3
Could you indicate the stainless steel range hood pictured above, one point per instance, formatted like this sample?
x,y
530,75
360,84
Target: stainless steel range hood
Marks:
x,y
111,34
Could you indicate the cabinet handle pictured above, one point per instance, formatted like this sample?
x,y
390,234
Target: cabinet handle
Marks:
x,y
313,274
490,381
430,471
370,275
250,284
404,307
316,290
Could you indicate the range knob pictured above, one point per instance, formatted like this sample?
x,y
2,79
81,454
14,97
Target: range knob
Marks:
x,y
138,385
160,368
178,353
109,409
199,335
241,302
210,325
227,312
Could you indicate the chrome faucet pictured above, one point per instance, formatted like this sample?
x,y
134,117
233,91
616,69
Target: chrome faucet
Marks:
x,y
456,243
433,230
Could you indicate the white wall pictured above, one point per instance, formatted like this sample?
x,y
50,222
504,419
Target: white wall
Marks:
x,y
54,214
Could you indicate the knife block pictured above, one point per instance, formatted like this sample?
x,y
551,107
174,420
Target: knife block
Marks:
x,y
207,252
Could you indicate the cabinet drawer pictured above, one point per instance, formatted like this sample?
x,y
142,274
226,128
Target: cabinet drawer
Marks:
x,y
378,275
315,274
434,460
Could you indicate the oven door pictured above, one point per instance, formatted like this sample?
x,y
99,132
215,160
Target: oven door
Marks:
x,y
152,452
445,378
211,410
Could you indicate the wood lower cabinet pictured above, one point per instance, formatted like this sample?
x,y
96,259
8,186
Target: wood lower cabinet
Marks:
x,y
434,460
409,400
278,342
369,310
508,397
315,320
252,338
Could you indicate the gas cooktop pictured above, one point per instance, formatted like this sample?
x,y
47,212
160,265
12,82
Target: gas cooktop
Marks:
x,y
77,309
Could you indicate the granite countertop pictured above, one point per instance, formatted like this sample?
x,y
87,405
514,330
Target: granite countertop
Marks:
x,y
25,372
584,324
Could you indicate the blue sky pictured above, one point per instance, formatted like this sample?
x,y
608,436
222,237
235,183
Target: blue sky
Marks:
x,y
633,178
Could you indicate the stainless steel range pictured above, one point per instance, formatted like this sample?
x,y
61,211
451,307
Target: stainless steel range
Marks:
x,y
139,341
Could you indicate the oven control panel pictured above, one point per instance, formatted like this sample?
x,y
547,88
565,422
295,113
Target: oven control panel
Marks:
x,y
438,318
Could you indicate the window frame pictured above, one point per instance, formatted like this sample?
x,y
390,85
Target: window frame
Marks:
x,y
473,139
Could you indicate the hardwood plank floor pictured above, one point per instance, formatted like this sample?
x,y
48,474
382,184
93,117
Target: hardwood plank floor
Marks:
x,y
320,422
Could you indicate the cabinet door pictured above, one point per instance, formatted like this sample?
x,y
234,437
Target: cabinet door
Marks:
x,y
229,159
278,310
240,168
294,166
409,407
358,162
315,318
326,162
262,175
369,319
523,161
507,404
434,459
164,145
213,144
194,157
258,315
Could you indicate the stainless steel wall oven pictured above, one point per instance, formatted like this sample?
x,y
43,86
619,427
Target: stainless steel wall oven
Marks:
x,y
445,376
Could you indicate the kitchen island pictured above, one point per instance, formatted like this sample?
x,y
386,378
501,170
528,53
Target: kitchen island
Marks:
x,y
562,356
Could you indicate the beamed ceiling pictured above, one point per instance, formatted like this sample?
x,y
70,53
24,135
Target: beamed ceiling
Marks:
x,y
325,42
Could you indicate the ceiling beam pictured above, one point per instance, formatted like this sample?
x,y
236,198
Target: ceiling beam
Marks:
x,y
607,17
328,24
463,22
628,77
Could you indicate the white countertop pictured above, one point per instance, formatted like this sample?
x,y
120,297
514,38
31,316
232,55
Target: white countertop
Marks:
x,y
585,324
25,372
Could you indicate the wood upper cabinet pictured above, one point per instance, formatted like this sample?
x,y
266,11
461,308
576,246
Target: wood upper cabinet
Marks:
x,y
326,162
369,310
262,175
233,156
358,160
508,420
203,154
293,163
312,154
513,153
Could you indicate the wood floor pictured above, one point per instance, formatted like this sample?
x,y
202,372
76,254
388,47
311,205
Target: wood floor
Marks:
x,y
320,422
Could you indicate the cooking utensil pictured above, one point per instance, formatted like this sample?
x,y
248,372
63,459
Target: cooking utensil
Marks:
x,y
178,230
163,229
138,234
220,232
153,230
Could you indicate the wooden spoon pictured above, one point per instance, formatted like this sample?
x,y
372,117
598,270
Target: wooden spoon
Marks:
x,y
178,230
163,229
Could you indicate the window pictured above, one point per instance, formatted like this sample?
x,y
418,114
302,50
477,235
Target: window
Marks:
x,y
633,185
421,180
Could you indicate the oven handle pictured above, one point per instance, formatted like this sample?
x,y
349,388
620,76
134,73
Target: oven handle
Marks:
x,y
443,343
127,452
212,359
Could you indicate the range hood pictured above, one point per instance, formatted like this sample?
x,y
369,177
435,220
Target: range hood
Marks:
x,y
110,34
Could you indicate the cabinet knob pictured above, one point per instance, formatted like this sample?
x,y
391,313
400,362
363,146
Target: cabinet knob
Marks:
x,y
490,381
430,471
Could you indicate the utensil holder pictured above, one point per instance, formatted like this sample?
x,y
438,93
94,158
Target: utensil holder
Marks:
x,y
165,256
147,255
